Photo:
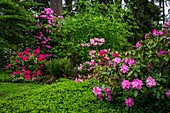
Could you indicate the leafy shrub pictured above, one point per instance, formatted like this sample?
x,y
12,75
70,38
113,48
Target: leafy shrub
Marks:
x,y
89,23
64,96
59,67
28,64
141,73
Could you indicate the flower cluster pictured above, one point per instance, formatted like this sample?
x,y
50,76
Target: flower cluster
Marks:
x,y
129,102
28,64
94,42
98,92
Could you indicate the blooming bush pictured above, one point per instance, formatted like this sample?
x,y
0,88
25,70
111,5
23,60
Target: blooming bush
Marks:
x,y
27,64
139,73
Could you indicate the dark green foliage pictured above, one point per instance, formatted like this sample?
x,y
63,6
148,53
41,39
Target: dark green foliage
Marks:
x,y
59,67
15,22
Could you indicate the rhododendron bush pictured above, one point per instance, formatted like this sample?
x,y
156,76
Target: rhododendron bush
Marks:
x,y
141,74
28,64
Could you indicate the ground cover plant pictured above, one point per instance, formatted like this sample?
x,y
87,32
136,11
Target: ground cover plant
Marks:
x,y
63,96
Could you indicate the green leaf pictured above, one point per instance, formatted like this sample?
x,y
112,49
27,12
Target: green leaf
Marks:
x,y
135,93
130,73
158,95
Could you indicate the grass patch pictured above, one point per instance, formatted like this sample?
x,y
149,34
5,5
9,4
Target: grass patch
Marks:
x,y
7,89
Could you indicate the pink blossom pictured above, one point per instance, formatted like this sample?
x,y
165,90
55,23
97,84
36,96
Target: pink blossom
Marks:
x,y
109,97
19,53
27,72
91,53
97,90
106,58
126,60
78,80
126,84
115,54
27,77
15,73
102,52
150,82
38,72
161,33
129,102
138,44
8,66
16,60
48,46
168,94
100,96
161,52
146,35
22,57
137,84
107,91
80,67
131,62
117,60
155,32
91,41
61,17
124,69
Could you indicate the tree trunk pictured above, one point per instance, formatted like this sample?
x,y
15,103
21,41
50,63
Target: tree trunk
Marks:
x,y
56,6
69,5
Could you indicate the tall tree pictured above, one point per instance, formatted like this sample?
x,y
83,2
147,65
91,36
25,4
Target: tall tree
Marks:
x,y
56,6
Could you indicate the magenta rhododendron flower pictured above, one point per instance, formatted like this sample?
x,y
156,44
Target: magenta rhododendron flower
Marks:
x,y
137,84
97,90
115,54
107,91
19,53
146,35
8,66
150,82
100,96
80,67
124,69
155,32
117,60
138,44
102,52
109,97
168,94
161,52
126,84
38,72
129,102
78,80
131,62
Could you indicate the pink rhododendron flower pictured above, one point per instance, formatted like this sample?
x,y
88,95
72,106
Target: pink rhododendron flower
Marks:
x,y
22,57
168,94
16,60
109,97
27,72
131,62
100,96
97,90
146,35
8,66
107,91
102,52
126,60
27,77
106,58
19,53
124,69
138,44
61,17
161,33
15,73
126,84
117,60
38,72
78,80
161,52
137,84
150,82
129,102
115,54
155,32
80,67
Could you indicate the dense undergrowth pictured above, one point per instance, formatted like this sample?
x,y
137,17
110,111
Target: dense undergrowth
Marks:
x,y
62,97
